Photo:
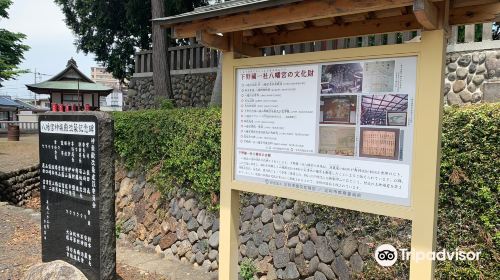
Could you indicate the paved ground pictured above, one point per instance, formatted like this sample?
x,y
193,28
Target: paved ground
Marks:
x,y
172,268
17,155
19,241
20,248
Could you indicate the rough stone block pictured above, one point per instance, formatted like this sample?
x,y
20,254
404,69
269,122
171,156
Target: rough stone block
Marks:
x,y
87,215
491,92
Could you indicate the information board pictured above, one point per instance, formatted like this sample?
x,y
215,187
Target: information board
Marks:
x,y
342,128
69,177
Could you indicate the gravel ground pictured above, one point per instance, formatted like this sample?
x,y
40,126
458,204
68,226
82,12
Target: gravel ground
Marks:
x,y
20,246
17,155
19,241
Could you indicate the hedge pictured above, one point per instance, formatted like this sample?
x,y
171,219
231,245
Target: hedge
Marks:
x,y
177,148
468,213
181,148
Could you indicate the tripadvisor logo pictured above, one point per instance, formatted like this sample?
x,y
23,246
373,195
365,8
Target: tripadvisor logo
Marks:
x,y
387,255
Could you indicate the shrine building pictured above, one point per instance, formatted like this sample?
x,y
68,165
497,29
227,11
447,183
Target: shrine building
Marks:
x,y
71,90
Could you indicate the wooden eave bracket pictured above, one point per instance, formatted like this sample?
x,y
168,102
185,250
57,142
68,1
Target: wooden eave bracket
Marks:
x,y
240,48
212,41
229,42
426,13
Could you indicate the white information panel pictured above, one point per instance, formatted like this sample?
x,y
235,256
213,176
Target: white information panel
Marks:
x,y
342,128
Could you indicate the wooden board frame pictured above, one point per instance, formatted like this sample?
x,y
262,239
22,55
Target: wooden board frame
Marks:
x,y
430,54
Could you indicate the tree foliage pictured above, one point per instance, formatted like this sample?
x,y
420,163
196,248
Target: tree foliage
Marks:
x,y
496,31
11,48
114,29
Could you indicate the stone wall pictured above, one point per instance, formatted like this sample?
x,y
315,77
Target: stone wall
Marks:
x,y
190,90
468,77
17,187
286,239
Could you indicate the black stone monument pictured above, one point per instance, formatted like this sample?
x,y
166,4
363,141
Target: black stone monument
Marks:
x,y
77,191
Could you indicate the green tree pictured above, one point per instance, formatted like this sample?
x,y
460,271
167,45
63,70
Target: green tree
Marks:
x,y
11,48
114,29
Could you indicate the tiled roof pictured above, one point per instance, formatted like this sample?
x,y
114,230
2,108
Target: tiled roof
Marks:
x,y
7,102
225,8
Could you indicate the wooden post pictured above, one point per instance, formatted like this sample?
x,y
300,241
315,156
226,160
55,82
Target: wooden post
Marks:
x,y
143,63
340,43
425,182
454,35
185,60
365,40
150,61
329,44
353,42
407,36
137,63
487,32
469,33
230,199
317,46
391,38
192,57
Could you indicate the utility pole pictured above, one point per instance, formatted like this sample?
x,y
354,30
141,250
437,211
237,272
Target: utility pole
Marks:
x,y
38,77
34,93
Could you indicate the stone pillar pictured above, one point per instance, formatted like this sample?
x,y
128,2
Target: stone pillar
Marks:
x,y
77,191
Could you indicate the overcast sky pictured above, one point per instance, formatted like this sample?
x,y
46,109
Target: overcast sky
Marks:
x,y
51,43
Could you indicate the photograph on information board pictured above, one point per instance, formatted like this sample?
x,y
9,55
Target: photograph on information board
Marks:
x,y
384,110
338,109
379,143
337,140
342,78
379,76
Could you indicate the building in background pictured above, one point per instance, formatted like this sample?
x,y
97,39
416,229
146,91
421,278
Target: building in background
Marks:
x,y
28,111
40,103
19,110
72,88
114,101
8,109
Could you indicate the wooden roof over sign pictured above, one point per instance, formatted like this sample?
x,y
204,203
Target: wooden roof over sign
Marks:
x,y
262,23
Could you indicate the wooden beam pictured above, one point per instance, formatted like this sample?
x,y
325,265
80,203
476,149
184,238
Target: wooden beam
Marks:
x,y
248,50
242,49
295,25
248,33
444,17
322,22
367,27
467,3
475,14
269,29
354,17
302,11
389,13
426,13
212,41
